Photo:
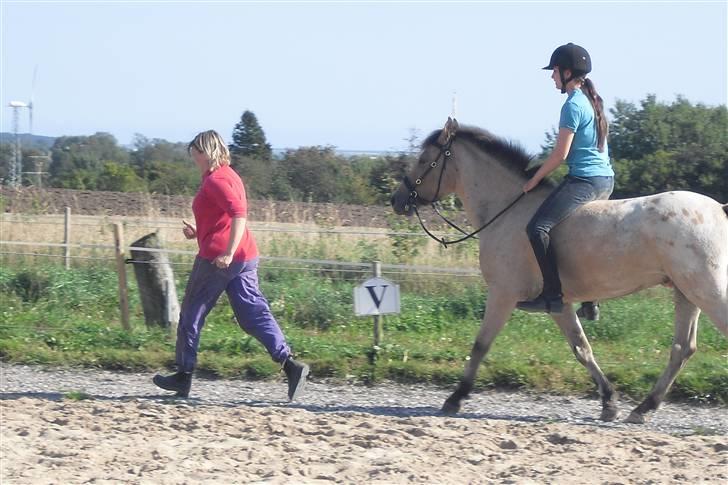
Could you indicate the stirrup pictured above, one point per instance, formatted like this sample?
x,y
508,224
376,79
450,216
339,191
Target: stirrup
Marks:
x,y
542,304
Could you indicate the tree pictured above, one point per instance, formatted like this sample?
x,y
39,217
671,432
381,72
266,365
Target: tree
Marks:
x,y
172,177
678,146
249,139
118,177
77,161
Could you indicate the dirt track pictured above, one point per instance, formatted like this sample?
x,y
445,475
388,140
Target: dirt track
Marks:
x,y
244,432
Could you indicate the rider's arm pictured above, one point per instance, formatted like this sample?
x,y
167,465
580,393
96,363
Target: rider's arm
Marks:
x,y
557,156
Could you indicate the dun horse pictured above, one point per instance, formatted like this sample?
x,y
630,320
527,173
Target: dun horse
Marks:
x,y
607,249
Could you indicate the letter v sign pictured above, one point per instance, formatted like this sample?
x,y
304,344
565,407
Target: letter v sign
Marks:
x,y
376,296
377,299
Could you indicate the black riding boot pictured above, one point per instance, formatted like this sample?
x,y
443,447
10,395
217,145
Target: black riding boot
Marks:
x,y
179,382
549,300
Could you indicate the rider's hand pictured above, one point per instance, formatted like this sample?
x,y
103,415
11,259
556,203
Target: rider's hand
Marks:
x,y
531,184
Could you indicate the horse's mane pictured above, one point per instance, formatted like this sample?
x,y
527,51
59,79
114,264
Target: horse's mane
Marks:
x,y
510,154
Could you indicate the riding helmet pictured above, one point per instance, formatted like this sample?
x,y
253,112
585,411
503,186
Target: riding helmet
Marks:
x,y
571,56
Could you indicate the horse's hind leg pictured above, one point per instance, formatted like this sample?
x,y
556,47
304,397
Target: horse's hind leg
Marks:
x,y
717,311
683,346
497,311
569,324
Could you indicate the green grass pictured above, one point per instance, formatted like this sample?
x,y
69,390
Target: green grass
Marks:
x,y
71,318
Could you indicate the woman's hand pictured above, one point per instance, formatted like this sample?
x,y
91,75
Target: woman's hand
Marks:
x,y
189,230
223,261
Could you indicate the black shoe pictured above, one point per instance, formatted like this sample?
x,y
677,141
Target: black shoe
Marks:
x,y
179,382
296,373
589,310
542,304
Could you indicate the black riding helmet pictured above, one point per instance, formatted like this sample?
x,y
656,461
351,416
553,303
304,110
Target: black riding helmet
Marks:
x,y
573,57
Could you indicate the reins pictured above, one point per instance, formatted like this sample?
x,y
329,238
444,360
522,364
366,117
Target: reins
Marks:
x,y
445,153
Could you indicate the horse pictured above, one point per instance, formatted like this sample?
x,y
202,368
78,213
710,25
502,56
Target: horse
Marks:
x,y
606,249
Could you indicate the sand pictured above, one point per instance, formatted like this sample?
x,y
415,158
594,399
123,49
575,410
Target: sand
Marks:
x,y
141,441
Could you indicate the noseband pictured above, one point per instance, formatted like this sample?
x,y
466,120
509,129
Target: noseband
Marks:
x,y
445,153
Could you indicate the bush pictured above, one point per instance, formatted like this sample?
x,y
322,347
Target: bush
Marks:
x,y
30,285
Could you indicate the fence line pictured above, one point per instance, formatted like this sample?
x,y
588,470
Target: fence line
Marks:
x,y
389,268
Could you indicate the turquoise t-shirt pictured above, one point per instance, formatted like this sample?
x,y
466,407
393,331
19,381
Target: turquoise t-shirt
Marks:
x,y
584,158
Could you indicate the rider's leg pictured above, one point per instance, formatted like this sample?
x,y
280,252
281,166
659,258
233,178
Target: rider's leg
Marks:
x,y
571,194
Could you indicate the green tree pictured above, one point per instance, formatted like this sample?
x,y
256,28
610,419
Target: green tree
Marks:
x,y
7,159
146,152
118,177
318,174
77,161
677,146
249,139
172,178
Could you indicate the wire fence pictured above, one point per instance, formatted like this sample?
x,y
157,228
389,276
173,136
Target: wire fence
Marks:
x,y
21,226
312,264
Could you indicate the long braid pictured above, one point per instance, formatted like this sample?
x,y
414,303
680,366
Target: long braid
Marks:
x,y
598,106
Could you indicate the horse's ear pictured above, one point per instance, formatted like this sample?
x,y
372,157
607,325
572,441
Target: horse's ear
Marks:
x,y
446,132
454,126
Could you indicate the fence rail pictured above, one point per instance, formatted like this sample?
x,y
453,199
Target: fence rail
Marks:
x,y
389,268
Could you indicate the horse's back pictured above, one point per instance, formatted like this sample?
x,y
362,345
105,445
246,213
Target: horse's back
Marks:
x,y
643,241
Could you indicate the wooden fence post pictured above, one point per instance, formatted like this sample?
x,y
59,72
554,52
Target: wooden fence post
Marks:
x,y
378,326
67,237
121,271
155,279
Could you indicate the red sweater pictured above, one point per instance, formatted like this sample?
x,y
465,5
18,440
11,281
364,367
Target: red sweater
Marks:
x,y
221,198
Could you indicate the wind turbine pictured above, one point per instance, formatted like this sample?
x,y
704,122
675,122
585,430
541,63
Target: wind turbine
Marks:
x,y
17,168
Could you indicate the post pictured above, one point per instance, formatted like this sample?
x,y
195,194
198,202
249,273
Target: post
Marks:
x,y
67,237
121,270
155,279
378,326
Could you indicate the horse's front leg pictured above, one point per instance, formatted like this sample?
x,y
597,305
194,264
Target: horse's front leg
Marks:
x,y
497,311
570,326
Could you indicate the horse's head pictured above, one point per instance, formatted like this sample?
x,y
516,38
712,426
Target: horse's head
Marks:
x,y
428,180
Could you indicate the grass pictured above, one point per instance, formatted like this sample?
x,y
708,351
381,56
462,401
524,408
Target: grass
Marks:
x,y
70,318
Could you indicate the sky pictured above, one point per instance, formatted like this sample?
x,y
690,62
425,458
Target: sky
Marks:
x,y
354,75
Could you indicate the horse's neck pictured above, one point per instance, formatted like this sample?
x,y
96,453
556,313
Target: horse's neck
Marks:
x,y
486,186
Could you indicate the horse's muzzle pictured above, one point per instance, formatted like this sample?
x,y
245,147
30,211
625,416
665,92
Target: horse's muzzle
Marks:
x,y
401,203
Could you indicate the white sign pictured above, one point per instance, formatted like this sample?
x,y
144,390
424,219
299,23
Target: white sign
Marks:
x,y
376,296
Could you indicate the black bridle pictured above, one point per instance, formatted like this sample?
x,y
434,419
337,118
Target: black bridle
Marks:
x,y
445,154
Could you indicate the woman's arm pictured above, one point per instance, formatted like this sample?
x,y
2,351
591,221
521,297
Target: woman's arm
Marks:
x,y
237,229
556,158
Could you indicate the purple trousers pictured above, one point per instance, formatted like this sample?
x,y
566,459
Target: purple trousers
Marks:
x,y
240,281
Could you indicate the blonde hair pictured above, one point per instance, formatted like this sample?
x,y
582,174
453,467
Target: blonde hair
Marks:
x,y
212,145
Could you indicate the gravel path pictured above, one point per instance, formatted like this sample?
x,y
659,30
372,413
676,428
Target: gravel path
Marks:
x,y
387,399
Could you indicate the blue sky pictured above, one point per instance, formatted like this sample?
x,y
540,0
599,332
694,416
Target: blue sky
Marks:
x,y
358,76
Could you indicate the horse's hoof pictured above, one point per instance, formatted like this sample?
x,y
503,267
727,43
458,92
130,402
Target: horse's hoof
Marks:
x,y
450,408
636,418
609,413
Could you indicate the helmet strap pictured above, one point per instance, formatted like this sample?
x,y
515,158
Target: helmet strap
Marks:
x,y
564,81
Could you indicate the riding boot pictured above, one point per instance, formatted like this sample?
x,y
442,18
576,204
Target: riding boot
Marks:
x,y
550,299
179,382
